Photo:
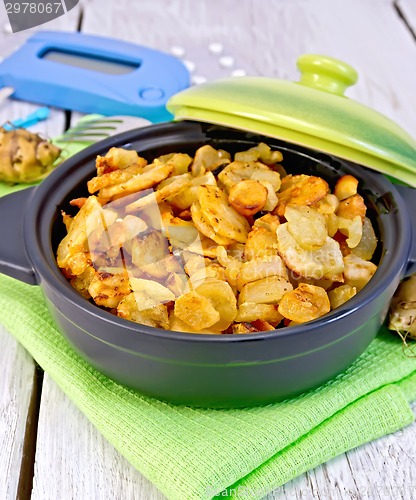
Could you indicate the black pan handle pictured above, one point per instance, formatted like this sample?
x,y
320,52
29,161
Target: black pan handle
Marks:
x,y
409,196
14,260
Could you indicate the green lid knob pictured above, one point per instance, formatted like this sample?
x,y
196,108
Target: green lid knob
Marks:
x,y
326,73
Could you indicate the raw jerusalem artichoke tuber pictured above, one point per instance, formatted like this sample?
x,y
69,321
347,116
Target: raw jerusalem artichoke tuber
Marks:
x,y
403,308
25,157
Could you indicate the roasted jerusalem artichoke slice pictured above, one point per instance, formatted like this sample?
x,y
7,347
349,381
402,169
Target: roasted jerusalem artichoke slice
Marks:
x,y
184,248
248,197
305,303
225,220
239,170
324,263
156,316
265,291
109,286
222,298
307,226
196,311
300,190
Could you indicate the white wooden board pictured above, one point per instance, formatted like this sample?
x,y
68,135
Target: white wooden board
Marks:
x,y
408,10
261,38
16,384
17,367
74,458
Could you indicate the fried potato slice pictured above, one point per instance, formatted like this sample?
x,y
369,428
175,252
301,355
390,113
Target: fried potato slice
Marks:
x,y
156,316
189,195
91,218
307,226
113,177
252,311
351,207
225,220
332,224
340,295
358,272
169,187
182,234
212,271
257,269
327,205
204,246
204,226
241,328
305,303
183,249
78,263
194,262
353,228
345,187
177,325
260,152
231,265
180,162
238,171
149,293
263,326
82,281
148,248
208,158
368,242
78,202
271,200
109,286
177,283
260,243
139,182
265,291
268,221
223,300
300,190
323,263
118,159
160,269
196,311
248,197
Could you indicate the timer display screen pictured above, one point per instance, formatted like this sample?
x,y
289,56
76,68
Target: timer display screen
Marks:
x,y
94,63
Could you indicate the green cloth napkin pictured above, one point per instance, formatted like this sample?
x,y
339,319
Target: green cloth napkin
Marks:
x,y
199,453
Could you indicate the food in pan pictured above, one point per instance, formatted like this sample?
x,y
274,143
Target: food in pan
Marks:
x,y
214,243
25,157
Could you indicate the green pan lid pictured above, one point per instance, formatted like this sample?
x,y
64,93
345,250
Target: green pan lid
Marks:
x,y
312,112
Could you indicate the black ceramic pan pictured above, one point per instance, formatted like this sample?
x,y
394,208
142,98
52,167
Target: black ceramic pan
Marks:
x,y
207,370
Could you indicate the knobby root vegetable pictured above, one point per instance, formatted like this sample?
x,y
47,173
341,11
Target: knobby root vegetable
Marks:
x,y
25,157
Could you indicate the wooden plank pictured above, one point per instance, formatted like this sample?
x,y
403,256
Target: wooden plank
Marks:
x,y
408,9
74,458
261,38
267,37
377,470
16,385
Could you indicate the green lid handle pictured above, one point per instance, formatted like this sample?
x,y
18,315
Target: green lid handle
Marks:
x,y
326,73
